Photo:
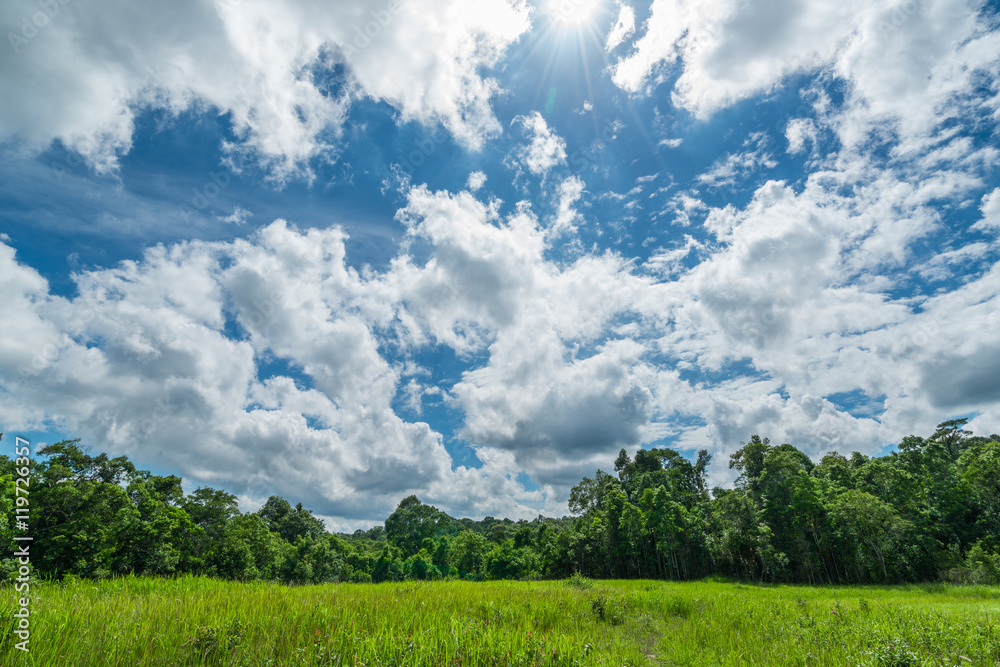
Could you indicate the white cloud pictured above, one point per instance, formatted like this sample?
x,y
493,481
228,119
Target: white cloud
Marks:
x,y
474,283
991,212
239,216
669,262
782,293
140,363
552,412
798,132
476,181
545,149
570,191
942,266
904,62
623,27
563,372
736,166
260,61
683,206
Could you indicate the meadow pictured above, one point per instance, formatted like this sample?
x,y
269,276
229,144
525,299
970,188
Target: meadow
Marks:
x,y
135,621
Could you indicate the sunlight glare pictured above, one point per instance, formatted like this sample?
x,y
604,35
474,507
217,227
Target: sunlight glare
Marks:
x,y
572,13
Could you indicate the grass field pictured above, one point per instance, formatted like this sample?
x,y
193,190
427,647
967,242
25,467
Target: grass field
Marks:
x,y
191,621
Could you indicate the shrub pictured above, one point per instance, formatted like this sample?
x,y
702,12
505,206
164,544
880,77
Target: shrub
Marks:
x,y
579,581
980,567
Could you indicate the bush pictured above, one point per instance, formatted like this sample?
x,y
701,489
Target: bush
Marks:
x,y
579,581
610,609
980,567
894,654
361,577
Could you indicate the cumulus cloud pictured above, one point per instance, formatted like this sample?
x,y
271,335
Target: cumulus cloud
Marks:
x,y
904,62
991,211
798,132
476,180
141,362
545,148
163,359
284,71
566,361
781,292
269,364
622,29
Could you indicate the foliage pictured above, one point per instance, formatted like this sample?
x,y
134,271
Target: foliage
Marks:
x,y
929,511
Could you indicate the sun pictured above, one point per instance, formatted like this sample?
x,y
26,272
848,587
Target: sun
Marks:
x,y
572,13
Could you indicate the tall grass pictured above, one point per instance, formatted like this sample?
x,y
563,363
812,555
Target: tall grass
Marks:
x,y
196,621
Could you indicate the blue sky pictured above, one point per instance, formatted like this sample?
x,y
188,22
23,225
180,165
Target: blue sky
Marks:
x,y
474,252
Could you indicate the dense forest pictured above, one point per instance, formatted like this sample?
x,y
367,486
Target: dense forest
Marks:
x,y
926,512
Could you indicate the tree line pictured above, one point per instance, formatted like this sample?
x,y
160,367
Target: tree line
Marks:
x,y
928,511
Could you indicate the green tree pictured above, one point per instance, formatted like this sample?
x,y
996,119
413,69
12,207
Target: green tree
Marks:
x,y
212,511
523,536
411,523
979,467
421,566
291,523
505,561
740,542
76,516
749,461
792,509
871,530
387,567
588,496
635,543
268,549
151,531
469,552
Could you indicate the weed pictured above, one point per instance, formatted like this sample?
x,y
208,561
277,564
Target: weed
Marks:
x,y
894,654
579,581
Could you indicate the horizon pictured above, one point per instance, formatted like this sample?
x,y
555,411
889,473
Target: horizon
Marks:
x,y
350,253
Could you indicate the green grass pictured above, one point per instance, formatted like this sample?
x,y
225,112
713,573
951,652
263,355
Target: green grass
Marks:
x,y
194,621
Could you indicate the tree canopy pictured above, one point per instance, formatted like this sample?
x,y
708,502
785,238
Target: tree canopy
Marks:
x,y
928,511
